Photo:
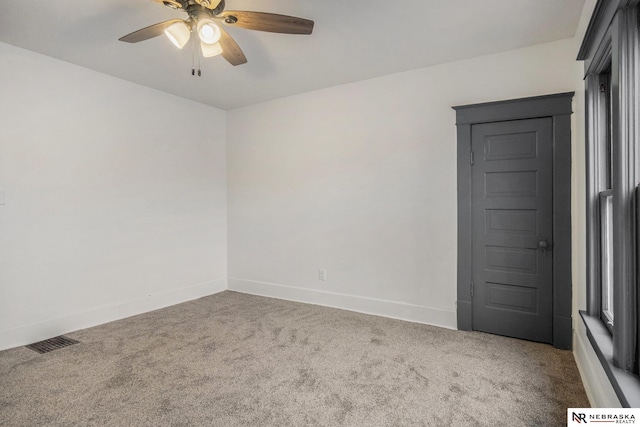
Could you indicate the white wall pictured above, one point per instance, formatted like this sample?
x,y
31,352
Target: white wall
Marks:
x,y
360,179
115,198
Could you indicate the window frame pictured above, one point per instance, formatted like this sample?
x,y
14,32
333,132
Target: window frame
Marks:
x,y
599,167
613,37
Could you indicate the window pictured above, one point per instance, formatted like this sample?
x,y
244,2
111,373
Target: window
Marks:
x,y
605,183
611,51
606,258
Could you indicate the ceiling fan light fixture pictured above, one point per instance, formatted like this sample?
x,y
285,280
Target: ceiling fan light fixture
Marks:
x,y
208,31
209,50
178,33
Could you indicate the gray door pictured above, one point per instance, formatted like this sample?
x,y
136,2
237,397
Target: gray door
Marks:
x,y
512,220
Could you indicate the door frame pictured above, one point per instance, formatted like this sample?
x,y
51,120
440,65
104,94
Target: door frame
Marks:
x,y
558,108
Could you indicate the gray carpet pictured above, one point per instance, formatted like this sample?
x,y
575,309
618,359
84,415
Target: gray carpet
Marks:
x,y
240,360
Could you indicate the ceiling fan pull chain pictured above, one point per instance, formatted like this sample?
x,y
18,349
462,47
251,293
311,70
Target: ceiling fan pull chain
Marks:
x,y
193,54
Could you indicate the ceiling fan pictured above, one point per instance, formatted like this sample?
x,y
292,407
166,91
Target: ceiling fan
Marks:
x,y
203,25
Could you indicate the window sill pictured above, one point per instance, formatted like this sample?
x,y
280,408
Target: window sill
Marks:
x,y
626,385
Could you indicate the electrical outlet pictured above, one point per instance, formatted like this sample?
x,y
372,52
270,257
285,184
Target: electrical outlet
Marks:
x,y
322,274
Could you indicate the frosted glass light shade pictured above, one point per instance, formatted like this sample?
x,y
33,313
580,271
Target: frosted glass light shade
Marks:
x,y
208,31
209,50
178,33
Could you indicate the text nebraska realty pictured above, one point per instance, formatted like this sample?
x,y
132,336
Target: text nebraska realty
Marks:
x,y
603,418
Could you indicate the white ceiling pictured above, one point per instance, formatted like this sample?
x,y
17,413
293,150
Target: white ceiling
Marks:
x,y
352,40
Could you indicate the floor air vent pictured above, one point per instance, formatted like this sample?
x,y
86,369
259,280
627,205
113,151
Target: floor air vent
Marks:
x,y
52,344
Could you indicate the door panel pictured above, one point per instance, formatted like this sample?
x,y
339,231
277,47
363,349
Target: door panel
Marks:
x,y
512,211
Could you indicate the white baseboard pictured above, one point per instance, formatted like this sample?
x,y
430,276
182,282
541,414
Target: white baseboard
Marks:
x,y
28,334
378,307
596,384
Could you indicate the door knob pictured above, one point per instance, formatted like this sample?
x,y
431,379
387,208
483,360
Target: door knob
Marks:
x,y
543,245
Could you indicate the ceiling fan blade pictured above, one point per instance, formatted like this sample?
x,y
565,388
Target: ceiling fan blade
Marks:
x,y
149,32
269,22
230,49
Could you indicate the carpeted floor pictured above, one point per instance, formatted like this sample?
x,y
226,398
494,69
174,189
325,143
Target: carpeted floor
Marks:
x,y
240,360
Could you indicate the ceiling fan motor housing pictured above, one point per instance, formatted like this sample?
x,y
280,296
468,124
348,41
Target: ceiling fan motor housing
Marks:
x,y
209,4
212,7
